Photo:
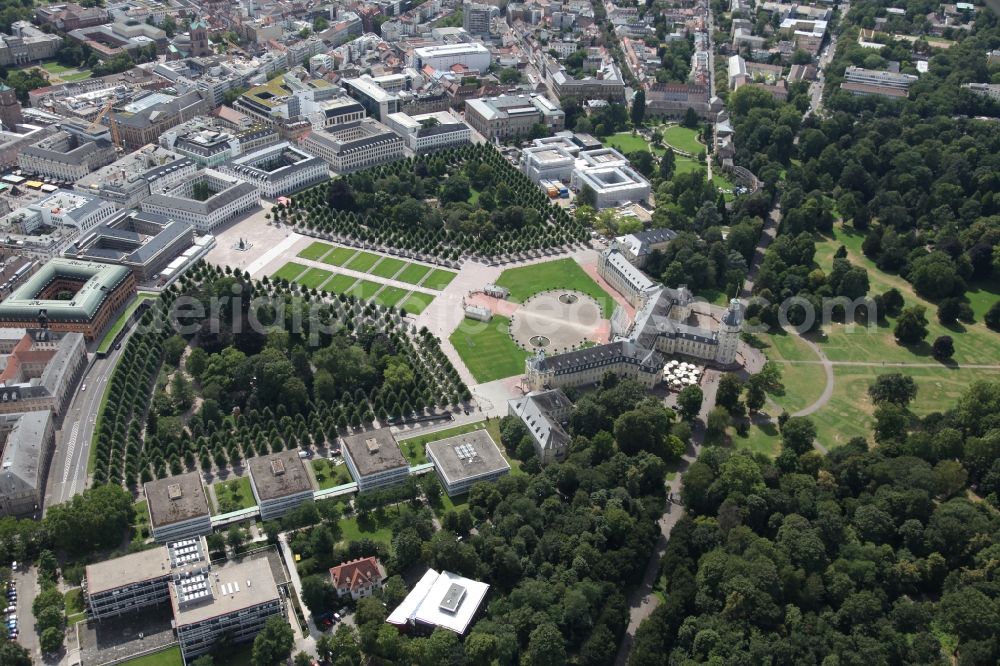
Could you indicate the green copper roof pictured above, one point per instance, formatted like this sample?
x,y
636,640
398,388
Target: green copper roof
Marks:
x,y
100,280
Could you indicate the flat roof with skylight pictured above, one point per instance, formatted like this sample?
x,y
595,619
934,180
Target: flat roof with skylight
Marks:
x,y
466,459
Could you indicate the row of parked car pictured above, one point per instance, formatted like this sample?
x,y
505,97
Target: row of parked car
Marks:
x,y
11,610
326,620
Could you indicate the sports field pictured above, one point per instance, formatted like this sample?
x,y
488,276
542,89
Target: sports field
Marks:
x,y
526,281
487,349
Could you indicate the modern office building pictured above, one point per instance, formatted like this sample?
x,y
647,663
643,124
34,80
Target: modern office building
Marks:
x,y
509,116
279,482
374,459
476,18
64,156
70,295
178,507
27,440
548,162
355,145
608,174
442,57
358,578
205,200
430,131
279,169
127,584
464,460
234,600
543,413
440,599
373,98
860,81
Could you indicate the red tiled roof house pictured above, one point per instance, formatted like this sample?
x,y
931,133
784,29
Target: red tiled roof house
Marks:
x,y
359,578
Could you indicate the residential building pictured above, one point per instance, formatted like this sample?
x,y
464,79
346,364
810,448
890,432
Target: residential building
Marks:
x,y
27,440
609,176
430,131
358,578
205,200
96,293
464,460
279,482
510,116
440,599
234,600
355,145
374,459
178,507
127,584
279,169
861,81
543,413
442,57
64,156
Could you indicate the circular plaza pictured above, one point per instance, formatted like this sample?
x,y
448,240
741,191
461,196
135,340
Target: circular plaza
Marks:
x,y
557,320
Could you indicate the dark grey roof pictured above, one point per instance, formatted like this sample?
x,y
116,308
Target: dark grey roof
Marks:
x,y
278,475
621,351
163,169
175,499
374,451
23,451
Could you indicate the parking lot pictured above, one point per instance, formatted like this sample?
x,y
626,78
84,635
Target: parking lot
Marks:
x,y
27,589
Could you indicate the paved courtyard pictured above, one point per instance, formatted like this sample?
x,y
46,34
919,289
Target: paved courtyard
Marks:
x,y
559,320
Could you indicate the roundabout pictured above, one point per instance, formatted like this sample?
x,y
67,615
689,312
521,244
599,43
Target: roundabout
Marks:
x,y
558,320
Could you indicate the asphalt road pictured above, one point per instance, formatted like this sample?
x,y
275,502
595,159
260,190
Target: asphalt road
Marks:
x,y
68,472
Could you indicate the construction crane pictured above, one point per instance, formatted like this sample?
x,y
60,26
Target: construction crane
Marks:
x,y
115,136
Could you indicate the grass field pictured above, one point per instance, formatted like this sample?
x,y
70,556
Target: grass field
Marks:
x,y
439,279
56,68
416,303
390,296
329,475
683,138
413,274
119,324
314,277
626,142
340,283
413,452
339,256
76,76
234,495
365,289
289,271
363,261
982,296
759,439
685,164
168,657
526,281
366,527
315,251
487,349
388,267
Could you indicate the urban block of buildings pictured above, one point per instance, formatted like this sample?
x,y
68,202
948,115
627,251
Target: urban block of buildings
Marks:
x,y
355,145
27,440
427,132
205,200
130,180
62,208
374,459
63,156
279,169
512,116
464,460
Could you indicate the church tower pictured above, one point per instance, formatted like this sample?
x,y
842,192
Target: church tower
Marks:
x,y
10,108
729,333
199,38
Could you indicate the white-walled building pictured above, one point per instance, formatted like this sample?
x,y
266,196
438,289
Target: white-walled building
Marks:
x,y
611,178
464,460
543,413
227,198
355,145
374,459
279,169
430,131
442,56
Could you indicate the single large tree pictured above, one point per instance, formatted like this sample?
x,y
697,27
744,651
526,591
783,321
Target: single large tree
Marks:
x,y
911,327
274,643
638,107
893,387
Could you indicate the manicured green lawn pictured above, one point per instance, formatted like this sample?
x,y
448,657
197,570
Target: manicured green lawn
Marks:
x,y
55,68
329,475
685,164
168,657
340,283
389,296
626,142
439,279
289,271
234,495
367,527
487,349
315,251
120,322
388,267
413,452
526,281
683,138
365,289
413,273
314,277
722,183
363,261
759,440
982,296
804,382
76,76
416,303
339,256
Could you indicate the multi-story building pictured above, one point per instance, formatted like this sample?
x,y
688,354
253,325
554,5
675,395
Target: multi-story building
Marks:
x,y
358,578
279,482
430,131
606,83
178,507
861,81
41,370
609,176
638,247
64,156
27,440
69,16
356,145
543,413
145,118
127,584
205,145
62,208
205,200
129,180
464,460
278,170
509,116
374,459
548,162
442,57
234,600
69,296
476,18
440,599
672,100
375,99
27,44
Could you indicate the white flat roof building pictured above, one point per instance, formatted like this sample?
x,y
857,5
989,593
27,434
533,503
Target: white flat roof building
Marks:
x,y
441,600
608,174
464,460
442,56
